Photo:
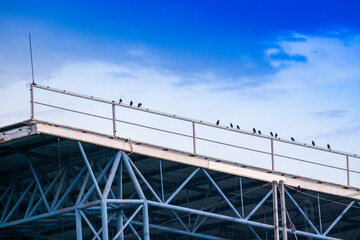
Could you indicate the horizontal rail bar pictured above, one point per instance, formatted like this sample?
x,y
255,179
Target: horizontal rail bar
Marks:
x,y
75,111
191,120
307,161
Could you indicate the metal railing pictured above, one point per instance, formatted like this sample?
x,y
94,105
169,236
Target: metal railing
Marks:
x,y
194,138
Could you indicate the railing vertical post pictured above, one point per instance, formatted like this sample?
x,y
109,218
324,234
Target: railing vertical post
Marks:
x,y
347,170
272,155
113,118
194,137
31,101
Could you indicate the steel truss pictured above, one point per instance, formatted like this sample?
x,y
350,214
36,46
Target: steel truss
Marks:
x,y
107,196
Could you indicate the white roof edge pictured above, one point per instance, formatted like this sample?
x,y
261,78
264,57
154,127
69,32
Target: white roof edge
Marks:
x,y
196,161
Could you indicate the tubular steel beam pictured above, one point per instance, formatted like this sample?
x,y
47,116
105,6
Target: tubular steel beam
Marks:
x,y
338,218
161,182
38,184
283,209
235,220
127,222
222,194
8,203
111,193
98,179
319,209
112,175
228,201
78,225
104,219
68,191
177,231
90,225
19,201
131,226
302,212
146,221
275,211
182,185
144,180
57,194
90,170
179,220
46,192
31,202
100,230
242,198
139,191
259,204
132,176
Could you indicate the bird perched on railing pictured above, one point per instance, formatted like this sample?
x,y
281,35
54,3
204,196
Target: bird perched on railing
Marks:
x,y
231,125
271,134
131,103
237,126
254,130
292,139
217,122
259,132
120,100
139,105
276,135
313,143
328,146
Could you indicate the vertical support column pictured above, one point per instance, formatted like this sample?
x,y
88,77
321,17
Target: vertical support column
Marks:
x,y
347,170
319,209
119,218
283,209
161,182
194,137
242,199
272,155
146,221
78,225
113,118
275,211
31,102
139,191
104,220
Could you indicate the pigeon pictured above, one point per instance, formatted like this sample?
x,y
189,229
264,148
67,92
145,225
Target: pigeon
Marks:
x,y
271,134
139,105
275,135
259,132
131,103
313,143
217,123
328,146
231,125
254,130
292,139
237,126
120,100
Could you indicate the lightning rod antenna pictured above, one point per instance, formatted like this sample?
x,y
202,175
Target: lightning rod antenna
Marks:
x,y
31,57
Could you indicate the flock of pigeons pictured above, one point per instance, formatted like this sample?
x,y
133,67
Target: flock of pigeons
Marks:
x,y
131,103
232,126
271,133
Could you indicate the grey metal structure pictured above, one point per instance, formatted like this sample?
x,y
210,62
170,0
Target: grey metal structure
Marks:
x,y
65,182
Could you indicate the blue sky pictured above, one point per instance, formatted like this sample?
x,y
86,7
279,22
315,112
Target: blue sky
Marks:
x,y
285,66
